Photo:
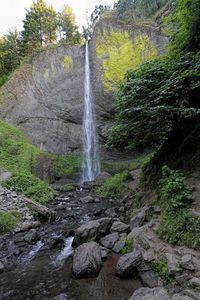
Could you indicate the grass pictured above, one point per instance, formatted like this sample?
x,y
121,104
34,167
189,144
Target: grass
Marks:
x,y
115,186
20,157
7,221
66,165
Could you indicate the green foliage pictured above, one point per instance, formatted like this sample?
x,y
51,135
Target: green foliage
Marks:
x,y
30,186
66,165
173,193
115,186
128,247
154,100
118,54
134,9
177,225
7,221
184,27
161,269
67,26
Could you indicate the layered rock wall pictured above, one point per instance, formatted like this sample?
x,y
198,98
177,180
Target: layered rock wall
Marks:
x,y
45,98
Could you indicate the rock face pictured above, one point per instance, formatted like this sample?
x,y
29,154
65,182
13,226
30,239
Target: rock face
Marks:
x,y
45,98
87,260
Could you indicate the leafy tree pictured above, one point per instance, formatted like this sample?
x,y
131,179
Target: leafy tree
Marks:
x,y
67,25
155,100
40,26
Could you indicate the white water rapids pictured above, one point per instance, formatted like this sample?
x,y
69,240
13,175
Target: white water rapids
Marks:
x,y
91,160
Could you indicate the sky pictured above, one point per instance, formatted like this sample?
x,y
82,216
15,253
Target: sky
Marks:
x,y
12,12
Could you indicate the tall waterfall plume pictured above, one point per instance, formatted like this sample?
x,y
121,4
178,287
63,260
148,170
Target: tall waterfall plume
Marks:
x,y
91,160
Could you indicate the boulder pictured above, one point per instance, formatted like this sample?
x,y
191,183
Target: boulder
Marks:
x,y
31,236
195,282
87,260
119,244
109,240
171,263
139,217
120,227
87,199
157,293
104,253
148,278
140,237
92,230
187,262
128,263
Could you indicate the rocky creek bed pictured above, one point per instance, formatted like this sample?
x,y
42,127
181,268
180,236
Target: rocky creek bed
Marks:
x,y
78,254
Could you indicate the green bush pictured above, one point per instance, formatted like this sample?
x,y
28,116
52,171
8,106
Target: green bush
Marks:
x,y
115,186
177,225
7,222
161,269
30,186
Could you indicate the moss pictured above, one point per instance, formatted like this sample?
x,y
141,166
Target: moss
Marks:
x,y
116,166
67,63
161,269
66,165
119,54
46,75
115,186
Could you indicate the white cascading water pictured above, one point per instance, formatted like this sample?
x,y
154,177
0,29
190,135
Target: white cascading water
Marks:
x,y
91,160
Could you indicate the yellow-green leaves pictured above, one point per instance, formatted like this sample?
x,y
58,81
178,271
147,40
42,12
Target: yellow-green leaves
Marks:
x,y
119,54
67,63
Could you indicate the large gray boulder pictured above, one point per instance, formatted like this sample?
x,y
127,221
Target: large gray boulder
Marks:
x,y
92,230
120,227
187,262
157,293
139,217
87,260
109,240
128,263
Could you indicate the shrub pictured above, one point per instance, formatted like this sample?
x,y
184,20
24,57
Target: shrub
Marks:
x,y
177,225
161,269
115,186
30,186
7,221
128,247
66,164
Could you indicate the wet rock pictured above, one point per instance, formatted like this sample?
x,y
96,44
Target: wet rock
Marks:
x,y
87,199
109,240
171,263
195,282
61,297
148,278
104,253
110,212
157,293
1,268
27,226
120,227
87,260
187,262
93,230
119,245
103,176
183,277
139,217
187,295
53,242
140,237
128,263
31,236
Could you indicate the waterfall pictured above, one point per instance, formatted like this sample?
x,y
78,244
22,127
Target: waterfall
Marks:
x,y
91,160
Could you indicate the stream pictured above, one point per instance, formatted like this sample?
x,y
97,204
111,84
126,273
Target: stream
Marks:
x,y
40,269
